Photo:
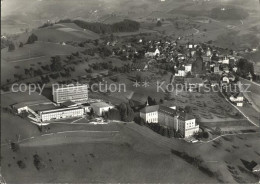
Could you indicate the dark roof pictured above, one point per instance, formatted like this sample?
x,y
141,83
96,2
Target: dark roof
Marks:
x,y
140,98
153,49
185,116
149,109
167,110
68,104
140,66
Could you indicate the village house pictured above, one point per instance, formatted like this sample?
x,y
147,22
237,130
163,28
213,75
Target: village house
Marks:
x,y
180,72
237,99
225,79
188,68
216,69
152,52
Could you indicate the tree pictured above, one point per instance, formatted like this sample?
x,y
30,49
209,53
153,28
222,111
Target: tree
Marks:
x,y
21,44
218,130
11,47
32,38
21,164
15,147
37,161
56,64
158,24
151,101
126,112
188,109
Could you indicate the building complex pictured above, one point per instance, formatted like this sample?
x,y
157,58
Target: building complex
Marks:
x,y
184,123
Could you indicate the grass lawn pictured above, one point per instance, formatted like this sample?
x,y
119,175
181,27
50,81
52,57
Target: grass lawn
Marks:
x,y
98,157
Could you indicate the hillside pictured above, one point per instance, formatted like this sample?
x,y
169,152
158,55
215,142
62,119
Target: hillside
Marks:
x,y
33,55
64,32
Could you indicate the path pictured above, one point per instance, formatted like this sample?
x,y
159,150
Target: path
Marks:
x,y
239,110
202,142
56,133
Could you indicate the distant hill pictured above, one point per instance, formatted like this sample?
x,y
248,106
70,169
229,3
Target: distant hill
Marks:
x,y
228,13
64,32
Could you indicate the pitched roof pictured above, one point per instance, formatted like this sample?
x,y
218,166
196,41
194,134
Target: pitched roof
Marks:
x,y
167,110
101,104
149,109
68,104
138,97
185,116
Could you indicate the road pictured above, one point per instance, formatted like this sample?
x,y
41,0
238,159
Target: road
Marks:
x,y
252,122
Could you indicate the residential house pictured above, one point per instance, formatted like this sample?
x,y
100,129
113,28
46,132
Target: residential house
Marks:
x,y
208,53
225,79
237,99
152,52
188,68
256,168
216,69
181,72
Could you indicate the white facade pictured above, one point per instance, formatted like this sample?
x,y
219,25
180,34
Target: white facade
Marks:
x,y
69,93
151,117
188,68
64,113
225,61
225,79
181,73
187,128
101,107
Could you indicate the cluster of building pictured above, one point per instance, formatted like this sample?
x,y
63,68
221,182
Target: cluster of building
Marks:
x,y
181,122
70,101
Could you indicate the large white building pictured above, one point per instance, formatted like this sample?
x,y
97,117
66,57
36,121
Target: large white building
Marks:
x,y
186,125
63,93
150,114
62,113
101,107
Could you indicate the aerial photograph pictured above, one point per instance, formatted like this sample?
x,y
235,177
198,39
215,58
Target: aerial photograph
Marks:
x,y
130,91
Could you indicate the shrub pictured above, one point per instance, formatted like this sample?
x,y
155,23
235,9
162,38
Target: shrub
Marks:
x,y
21,164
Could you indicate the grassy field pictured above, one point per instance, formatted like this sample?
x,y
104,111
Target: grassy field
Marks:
x,y
33,55
64,32
253,93
97,157
104,153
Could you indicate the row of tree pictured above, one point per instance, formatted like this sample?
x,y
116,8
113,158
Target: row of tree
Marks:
x,y
101,28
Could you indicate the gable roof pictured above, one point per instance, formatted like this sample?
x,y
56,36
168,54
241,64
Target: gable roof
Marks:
x,y
138,97
149,109
167,110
